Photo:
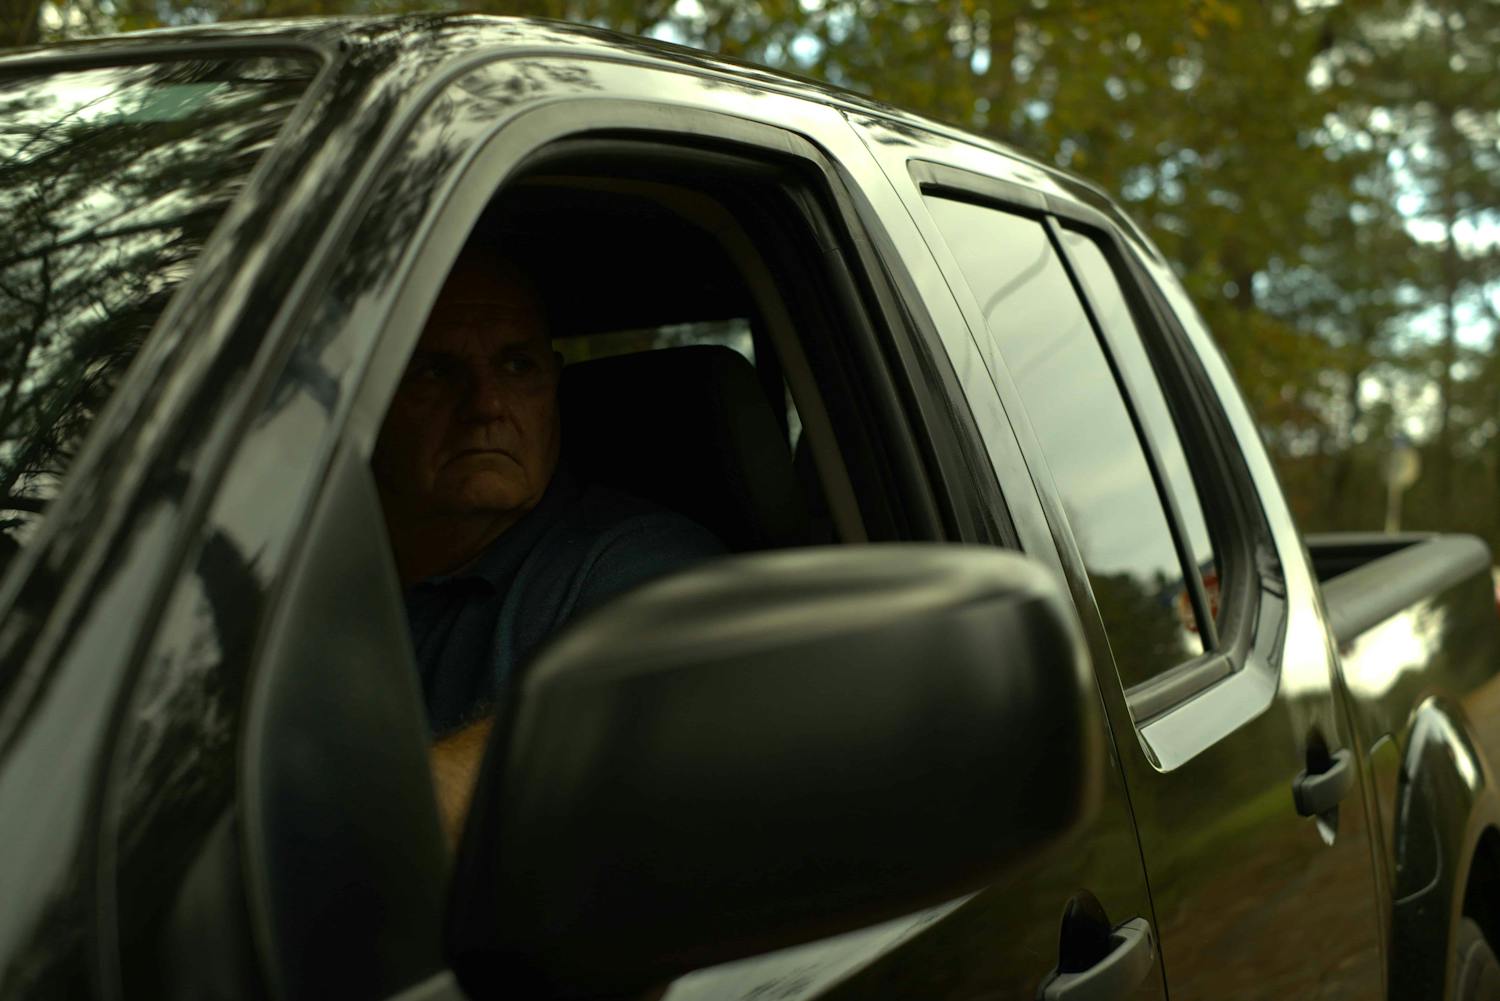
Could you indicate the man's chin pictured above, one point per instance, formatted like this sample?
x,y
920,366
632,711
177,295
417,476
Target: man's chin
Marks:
x,y
479,500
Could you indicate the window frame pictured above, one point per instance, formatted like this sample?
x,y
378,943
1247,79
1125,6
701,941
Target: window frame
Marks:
x,y
1156,484
1172,723
1248,564
1134,382
896,379
1158,693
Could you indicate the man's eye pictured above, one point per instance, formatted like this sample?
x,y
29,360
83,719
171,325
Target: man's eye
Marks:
x,y
429,370
519,365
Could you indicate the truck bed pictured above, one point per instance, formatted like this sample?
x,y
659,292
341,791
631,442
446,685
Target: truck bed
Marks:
x,y
1368,577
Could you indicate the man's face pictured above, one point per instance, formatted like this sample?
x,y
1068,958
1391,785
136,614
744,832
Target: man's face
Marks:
x,y
473,430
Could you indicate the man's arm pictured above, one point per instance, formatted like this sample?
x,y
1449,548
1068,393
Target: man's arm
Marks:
x,y
455,769
642,549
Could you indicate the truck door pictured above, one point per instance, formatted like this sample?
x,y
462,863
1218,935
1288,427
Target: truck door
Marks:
x,y
801,218
1215,664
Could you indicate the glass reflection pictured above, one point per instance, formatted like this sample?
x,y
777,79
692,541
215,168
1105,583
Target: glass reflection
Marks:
x,y
804,971
1086,433
1124,336
111,180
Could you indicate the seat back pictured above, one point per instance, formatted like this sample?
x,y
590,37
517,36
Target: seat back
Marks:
x,y
689,429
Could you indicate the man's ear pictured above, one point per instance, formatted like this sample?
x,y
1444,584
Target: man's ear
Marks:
x,y
557,357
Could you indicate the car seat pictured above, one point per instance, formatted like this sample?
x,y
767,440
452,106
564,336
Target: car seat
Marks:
x,y
690,429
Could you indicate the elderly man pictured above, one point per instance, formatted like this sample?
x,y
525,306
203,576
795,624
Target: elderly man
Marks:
x,y
496,542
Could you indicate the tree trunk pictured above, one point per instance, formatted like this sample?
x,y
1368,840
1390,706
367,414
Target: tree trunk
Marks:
x,y
1337,503
20,23
1451,146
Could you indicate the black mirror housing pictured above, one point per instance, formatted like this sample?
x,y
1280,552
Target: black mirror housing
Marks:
x,y
768,750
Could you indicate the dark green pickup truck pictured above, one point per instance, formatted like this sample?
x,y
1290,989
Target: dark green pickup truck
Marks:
x,y
1018,682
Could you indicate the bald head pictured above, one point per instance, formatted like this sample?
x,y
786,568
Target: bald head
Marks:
x,y
483,281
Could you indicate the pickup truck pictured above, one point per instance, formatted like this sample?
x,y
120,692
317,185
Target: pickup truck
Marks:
x,y
1018,680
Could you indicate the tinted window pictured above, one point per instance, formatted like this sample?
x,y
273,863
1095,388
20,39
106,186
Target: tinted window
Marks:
x,y
110,181
1086,432
733,333
1125,343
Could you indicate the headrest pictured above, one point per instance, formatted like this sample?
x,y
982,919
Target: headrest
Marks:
x,y
689,429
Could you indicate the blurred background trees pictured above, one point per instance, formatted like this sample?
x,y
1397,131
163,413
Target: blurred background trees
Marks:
x,y
1324,174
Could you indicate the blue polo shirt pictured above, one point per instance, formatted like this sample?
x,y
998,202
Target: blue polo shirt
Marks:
x,y
580,545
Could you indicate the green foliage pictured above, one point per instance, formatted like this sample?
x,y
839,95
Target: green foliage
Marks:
x,y
1323,176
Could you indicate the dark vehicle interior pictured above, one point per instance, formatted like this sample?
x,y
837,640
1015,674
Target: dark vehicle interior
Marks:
x,y
687,380
673,389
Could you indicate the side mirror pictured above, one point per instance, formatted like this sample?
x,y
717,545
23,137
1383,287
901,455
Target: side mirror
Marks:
x,y
768,750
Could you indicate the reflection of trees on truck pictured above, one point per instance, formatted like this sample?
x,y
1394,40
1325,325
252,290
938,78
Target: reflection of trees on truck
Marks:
x,y
1144,630
109,189
1178,597
1155,611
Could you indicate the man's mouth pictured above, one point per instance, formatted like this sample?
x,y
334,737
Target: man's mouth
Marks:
x,y
468,452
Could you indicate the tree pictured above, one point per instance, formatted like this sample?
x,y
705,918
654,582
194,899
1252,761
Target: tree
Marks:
x,y
1428,83
20,22
1319,175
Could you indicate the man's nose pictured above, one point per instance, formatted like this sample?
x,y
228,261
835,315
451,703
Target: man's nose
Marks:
x,y
486,397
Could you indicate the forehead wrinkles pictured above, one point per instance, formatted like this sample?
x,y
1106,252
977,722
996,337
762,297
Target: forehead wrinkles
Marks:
x,y
488,295
480,327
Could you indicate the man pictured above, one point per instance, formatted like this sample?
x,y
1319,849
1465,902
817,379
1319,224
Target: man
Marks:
x,y
496,543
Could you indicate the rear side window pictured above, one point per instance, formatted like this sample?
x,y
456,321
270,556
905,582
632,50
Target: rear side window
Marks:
x,y
111,180
1086,431
1124,337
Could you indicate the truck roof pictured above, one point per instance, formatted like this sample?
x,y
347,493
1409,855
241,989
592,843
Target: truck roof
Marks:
x,y
435,39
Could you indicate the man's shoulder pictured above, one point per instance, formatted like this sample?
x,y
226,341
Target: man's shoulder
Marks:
x,y
606,511
611,541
